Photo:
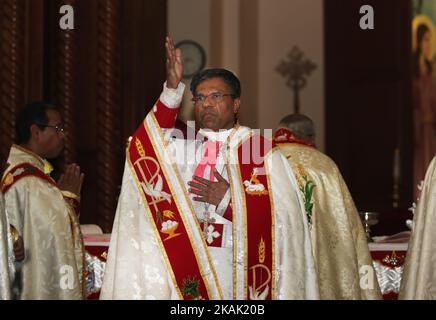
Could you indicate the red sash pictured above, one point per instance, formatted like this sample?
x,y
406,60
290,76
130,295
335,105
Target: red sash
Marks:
x,y
176,244
284,135
259,220
166,216
21,171
29,170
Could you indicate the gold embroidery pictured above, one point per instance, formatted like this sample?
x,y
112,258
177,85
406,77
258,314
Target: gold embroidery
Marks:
x,y
14,233
261,251
301,173
169,227
260,291
393,260
254,186
273,241
168,214
139,148
9,179
70,195
104,255
153,187
48,168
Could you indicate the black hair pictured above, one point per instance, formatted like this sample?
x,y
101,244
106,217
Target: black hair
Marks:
x,y
32,113
229,78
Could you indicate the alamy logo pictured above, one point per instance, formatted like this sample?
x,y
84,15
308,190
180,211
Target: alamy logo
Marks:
x,y
67,281
67,20
367,20
366,277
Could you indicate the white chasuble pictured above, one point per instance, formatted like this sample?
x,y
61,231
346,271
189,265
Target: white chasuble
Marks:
x,y
5,280
35,207
419,275
142,264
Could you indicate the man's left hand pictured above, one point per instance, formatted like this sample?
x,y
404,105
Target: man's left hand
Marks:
x,y
72,179
209,191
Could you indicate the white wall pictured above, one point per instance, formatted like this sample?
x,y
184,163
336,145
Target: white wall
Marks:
x,y
251,37
190,20
283,24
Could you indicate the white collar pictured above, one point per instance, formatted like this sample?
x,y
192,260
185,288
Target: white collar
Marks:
x,y
220,136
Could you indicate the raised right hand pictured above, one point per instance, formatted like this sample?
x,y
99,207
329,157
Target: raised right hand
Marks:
x,y
174,64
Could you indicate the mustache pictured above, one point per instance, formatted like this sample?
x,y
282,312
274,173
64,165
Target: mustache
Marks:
x,y
207,113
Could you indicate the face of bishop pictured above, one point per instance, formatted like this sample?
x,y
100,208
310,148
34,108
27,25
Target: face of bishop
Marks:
x,y
218,107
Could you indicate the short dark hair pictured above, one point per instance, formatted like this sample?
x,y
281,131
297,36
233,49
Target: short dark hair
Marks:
x,y
229,78
32,113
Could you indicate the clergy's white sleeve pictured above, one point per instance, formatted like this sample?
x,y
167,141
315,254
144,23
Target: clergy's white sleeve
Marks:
x,y
225,201
172,97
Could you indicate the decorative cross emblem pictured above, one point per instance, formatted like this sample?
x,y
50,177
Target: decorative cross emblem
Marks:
x,y
206,220
295,70
211,234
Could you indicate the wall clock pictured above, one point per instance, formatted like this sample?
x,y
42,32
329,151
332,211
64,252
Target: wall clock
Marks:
x,y
194,57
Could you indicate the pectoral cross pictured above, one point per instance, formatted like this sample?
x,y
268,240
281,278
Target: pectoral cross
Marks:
x,y
206,220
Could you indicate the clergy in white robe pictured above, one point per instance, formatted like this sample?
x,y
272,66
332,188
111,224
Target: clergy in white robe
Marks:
x,y
36,210
419,275
43,212
5,280
167,244
340,249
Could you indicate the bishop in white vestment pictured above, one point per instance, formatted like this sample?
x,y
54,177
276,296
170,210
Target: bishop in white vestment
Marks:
x,y
167,243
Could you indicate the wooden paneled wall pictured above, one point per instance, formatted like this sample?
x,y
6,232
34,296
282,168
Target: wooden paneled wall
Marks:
x,y
104,76
368,99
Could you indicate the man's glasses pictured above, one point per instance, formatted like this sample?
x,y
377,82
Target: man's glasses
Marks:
x,y
59,128
215,97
